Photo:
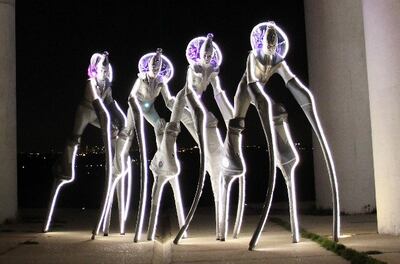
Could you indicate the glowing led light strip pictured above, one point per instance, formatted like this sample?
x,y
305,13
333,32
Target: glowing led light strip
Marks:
x,y
329,154
226,213
182,231
270,118
129,189
53,203
111,197
159,197
144,155
123,199
160,188
108,129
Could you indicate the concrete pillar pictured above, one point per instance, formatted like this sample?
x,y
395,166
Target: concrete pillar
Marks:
x,y
338,79
8,133
382,42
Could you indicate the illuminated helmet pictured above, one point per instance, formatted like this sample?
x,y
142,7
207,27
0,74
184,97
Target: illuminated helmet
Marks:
x,y
270,38
156,64
204,49
100,66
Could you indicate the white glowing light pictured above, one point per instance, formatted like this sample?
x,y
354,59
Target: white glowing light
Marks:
x,y
129,189
270,119
53,203
122,114
198,194
144,155
225,162
122,205
109,182
329,157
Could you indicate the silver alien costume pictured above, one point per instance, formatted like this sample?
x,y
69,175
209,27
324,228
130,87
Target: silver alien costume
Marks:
x,y
269,48
99,109
155,71
204,57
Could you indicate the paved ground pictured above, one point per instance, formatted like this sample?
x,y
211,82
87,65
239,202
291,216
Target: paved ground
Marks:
x,y
69,241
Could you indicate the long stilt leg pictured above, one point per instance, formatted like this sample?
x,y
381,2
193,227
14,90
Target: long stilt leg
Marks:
x,y
214,154
199,117
233,167
59,182
128,188
178,201
64,171
240,207
306,101
226,186
109,204
140,136
290,184
105,123
287,160
216,182
119,170
264,108
158,186
233,163
214,170
121,203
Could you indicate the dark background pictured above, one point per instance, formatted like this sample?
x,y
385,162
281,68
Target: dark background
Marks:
x,y
55,40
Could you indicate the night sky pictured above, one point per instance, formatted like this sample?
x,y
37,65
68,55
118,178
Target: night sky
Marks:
x,y
55,40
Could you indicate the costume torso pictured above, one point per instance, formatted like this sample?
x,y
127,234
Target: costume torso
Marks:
x,y
102,89
201,76
149,88
264,67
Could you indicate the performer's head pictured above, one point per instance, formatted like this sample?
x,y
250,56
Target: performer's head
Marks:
x,y
155,64
207,50
100,67
270,40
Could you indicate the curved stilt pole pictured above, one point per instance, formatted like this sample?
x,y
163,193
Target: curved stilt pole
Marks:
x,y
105,123
199,117
290,184
139,128
178,201
240,207
287,160
306,101
264,108
233,168
57,185
128,188
225,197
158,187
